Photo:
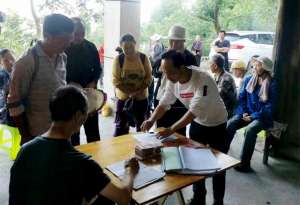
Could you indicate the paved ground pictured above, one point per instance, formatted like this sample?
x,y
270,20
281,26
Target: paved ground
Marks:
x,y
276,184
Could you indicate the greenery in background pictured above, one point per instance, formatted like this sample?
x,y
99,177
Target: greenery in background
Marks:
x,y
204,17
16,34
207,17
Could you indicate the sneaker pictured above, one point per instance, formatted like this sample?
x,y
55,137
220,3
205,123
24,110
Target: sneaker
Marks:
x,y
243,168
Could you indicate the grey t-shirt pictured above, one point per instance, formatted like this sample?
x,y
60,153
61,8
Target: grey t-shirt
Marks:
x,y
30,92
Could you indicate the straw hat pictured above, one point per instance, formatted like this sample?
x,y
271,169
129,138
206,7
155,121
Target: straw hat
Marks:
x,y
238,64
176,33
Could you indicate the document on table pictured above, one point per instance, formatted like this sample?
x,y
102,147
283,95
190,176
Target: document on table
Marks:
x,y
152,138
146,175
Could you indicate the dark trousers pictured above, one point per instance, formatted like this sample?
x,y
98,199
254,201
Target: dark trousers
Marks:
x,y
198,59
251,130
138,115
150,98
91,131
215,137
176,112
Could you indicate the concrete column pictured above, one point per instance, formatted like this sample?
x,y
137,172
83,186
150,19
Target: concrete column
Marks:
x,y
287,73
120,17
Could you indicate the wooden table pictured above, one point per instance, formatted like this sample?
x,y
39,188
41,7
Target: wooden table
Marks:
x,y
109,151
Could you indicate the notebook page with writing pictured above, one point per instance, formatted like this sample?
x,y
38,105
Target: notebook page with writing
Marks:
x,y
198,159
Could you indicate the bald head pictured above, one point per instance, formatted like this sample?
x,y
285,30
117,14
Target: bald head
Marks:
x,y
79,30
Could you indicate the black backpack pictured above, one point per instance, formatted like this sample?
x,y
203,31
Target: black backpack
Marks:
x,y
121,59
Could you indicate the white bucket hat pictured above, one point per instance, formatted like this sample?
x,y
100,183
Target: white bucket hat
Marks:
x,y
267,63
155,37
176,33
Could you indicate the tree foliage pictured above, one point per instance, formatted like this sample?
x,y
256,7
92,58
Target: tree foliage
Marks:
x,y
207,17
16,34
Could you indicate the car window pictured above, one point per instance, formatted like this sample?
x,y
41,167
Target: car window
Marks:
x,y
232,37
251,37
265,39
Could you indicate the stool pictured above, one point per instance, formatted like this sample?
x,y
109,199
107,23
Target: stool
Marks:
x,y
273,136
10,140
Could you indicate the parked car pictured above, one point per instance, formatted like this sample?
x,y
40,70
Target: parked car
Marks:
x,y
245,44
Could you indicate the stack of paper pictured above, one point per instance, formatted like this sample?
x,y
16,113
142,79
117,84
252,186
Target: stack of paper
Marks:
x,y
186,160
152,138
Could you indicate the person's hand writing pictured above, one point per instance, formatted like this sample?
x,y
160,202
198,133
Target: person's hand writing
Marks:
x,y
132,165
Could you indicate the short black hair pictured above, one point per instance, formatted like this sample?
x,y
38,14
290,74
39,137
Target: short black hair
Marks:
x,y
3,52
56,24
65,102
219,60
222,31
177,58
127,38
78,22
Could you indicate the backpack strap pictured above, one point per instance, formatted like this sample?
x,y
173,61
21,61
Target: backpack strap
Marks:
x,y
143,58
36,65
121,59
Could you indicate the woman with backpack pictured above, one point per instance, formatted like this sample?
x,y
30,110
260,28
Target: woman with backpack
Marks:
x,y
131,77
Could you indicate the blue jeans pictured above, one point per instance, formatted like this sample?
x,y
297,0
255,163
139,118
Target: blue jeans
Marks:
x,y
251,131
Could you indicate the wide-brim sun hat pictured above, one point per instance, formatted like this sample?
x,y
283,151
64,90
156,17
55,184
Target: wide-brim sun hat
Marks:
x,y
267,63
176,32
155,37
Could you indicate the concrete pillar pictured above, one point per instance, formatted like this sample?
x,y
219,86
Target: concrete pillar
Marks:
x,y
120,17
287,73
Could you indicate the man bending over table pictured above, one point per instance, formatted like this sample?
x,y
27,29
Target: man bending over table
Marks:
x,y
206,113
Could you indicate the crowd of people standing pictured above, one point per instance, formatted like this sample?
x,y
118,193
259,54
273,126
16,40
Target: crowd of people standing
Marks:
x,y
42,95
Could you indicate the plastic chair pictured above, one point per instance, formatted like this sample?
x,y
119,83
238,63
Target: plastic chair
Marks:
x,y
10,140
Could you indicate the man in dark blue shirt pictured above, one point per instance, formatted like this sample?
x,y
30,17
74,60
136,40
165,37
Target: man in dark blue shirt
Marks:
x,y
84,69
49,170
222,46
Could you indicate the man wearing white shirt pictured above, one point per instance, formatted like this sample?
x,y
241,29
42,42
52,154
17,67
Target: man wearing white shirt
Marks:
x,y
206,113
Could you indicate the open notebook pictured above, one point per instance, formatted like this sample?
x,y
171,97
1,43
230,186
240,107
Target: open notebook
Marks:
x,y
186,160
146,175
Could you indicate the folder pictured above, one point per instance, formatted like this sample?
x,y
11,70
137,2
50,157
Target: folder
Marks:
x,y
187,160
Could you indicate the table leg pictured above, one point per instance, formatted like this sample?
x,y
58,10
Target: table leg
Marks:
x,y
180,197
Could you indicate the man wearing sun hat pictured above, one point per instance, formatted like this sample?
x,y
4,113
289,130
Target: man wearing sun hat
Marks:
x,y
255,108
177,37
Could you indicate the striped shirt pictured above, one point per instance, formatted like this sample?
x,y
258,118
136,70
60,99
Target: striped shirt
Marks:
x,y
30,90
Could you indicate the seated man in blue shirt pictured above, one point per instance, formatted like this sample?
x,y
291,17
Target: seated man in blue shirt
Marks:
x,y
255,109
49,170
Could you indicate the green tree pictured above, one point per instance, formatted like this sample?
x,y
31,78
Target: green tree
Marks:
x,y
207,17
90,11
16,34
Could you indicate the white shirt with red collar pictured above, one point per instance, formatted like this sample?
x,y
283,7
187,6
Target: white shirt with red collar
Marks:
x,y
200,95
